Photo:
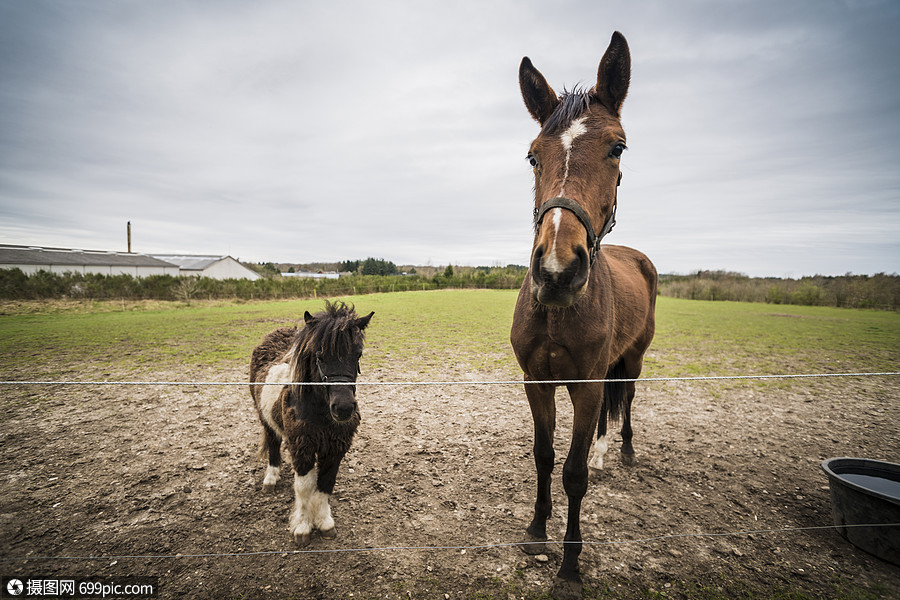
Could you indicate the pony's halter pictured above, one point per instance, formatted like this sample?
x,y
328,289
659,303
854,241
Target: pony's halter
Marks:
x,y
335,378
593,239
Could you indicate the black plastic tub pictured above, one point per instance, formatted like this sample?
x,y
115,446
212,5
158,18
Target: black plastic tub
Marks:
x,y
866,492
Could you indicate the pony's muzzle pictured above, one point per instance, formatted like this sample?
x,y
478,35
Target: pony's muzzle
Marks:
x,y
342,403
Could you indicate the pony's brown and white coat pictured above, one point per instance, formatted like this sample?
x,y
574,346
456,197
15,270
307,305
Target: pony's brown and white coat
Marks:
x,y
317,422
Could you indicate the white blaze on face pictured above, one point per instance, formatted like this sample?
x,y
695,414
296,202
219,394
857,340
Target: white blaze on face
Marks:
x,y
576,129
568,137
551,262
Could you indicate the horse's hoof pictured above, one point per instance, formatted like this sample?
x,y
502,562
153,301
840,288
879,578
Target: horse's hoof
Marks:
x,y
301,539
268,488
566,589
534,546
328,534
628,458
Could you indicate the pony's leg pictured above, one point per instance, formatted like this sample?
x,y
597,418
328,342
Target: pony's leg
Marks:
x,y
305,476
543,412
320,507
587,400
601,445
272,446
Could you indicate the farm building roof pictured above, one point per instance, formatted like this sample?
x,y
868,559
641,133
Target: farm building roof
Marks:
x,y
204,265
33,255
190,262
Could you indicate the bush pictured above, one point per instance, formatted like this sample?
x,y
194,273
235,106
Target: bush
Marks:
x,y
16,285
853,291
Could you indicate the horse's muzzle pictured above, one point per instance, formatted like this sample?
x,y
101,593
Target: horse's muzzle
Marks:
x,y
559,287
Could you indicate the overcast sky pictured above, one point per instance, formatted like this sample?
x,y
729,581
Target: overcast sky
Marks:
x,y
764,135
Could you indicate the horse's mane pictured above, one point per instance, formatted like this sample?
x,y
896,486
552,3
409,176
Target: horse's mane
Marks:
x,y
331,331
571,106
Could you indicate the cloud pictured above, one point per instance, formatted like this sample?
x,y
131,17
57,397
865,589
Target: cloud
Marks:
x,y
758,131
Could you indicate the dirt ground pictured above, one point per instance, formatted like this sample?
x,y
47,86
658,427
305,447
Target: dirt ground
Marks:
x,y
438,481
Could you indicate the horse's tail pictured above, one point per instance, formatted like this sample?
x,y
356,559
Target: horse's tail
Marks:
x,y
614,392
262,452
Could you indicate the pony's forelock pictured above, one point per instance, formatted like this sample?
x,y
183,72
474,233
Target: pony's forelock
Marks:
x,y
331,331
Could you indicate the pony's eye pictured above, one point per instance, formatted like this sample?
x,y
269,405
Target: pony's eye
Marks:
x,y
532,161
617,150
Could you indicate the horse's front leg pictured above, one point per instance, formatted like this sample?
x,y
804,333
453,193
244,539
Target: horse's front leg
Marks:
x,y
543,412
587,400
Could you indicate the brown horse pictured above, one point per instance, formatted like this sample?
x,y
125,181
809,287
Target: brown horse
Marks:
x,y
585,311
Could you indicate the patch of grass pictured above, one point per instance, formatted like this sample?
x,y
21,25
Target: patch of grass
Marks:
x,y
465,332
695,337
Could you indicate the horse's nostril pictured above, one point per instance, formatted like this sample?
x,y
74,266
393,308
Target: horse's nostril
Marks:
x,y
536,261
342,412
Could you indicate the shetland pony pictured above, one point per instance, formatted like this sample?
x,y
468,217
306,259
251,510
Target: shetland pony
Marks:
x,y
317,421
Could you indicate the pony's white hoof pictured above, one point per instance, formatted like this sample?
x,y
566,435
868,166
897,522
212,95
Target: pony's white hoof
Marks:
x,y
329,534
596,464
271,478
301,539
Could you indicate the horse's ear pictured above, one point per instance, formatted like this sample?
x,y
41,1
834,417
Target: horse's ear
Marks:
x,y
540,99
308,318
362,322
614,74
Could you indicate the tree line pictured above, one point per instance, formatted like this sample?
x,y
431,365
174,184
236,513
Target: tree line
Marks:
x,y
880,291
16,285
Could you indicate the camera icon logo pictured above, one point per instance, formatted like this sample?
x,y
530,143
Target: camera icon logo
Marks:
x,y
15,587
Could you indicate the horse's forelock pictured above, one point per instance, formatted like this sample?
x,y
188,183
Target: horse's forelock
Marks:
x,y
571,106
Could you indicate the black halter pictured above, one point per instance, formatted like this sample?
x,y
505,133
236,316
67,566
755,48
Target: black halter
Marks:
x,y
336,377
593,239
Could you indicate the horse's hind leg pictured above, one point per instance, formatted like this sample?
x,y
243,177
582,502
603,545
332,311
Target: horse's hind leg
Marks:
x,y
627,432
600,445
271,446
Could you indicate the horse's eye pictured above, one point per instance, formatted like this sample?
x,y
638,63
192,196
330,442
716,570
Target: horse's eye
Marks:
x,y
617,150
532,161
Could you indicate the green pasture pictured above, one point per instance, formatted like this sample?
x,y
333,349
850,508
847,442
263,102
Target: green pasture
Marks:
x,y
415,335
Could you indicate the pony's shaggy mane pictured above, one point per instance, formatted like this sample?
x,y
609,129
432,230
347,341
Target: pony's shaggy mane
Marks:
x,y
332,331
